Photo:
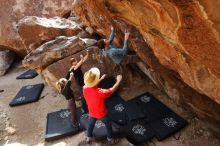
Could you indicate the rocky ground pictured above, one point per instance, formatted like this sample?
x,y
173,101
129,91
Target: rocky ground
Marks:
x,y
25,125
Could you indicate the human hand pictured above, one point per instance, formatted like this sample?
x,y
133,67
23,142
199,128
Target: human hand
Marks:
x,y
71,74
112,27
86,56
103,76
87,53
127,35
119,78
81,56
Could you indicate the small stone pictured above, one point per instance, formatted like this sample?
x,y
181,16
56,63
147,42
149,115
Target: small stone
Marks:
x,y
3,115
89,30
6,138
7,124
10,130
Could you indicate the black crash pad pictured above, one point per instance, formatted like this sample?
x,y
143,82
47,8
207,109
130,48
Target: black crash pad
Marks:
x,y
59,124
152,108
138,131
133,110
168,125
27,94
99,131
29,74
116,109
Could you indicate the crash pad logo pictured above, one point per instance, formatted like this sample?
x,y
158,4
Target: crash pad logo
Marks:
x,y
99,124
84,116
29,87
139,129
119,107
22,98
145,99
169,122
64,114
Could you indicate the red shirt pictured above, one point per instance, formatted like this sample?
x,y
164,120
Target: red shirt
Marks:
x,y
95,98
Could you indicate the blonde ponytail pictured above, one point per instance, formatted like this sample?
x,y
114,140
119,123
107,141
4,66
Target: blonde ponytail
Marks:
x,y
61,84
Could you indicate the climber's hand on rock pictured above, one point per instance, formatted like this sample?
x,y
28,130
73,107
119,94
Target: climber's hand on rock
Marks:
x,y
119,78
111,28
127,35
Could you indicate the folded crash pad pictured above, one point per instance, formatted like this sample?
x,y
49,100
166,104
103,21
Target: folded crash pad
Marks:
x,y
59,124
116,109
99,131
168,125
138,131
29,74
27,94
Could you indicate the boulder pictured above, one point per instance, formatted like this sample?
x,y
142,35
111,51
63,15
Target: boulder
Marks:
x,y
52,51
6,59
52,73
35,31
42,8
178,41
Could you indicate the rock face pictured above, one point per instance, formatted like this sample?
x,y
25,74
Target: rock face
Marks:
x,y
13,10
35,30
178,41
6,59
52,51
97,58
52,61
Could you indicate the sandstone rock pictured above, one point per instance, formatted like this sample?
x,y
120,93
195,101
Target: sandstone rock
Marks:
x,y
10,130
6,138
35,30
6,59
178,42
59,69
19,9
52,51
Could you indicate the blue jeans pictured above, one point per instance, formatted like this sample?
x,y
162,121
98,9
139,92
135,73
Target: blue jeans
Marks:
x,y
107,123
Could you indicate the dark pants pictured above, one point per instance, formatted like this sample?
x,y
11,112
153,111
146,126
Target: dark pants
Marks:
x,y
84,104
72,109
107,123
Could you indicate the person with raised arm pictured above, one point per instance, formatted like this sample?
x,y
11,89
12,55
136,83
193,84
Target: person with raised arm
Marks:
x,y
64,87
95,98
78,75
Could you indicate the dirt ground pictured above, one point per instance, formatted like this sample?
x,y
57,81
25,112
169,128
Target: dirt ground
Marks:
x,y
25,125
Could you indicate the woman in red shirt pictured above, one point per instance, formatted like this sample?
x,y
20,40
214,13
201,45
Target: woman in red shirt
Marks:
x,y
95,97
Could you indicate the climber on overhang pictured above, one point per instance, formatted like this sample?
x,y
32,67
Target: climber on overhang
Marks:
x,y
118,55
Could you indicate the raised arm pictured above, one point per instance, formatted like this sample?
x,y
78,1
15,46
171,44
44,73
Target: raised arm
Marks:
x,y
105,93
125,47
82,60
103,76
71,76
115,86
112,35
